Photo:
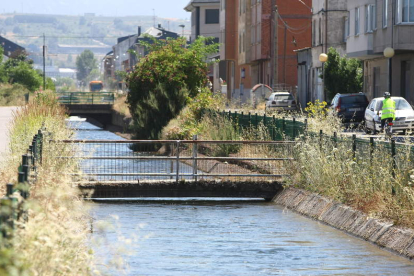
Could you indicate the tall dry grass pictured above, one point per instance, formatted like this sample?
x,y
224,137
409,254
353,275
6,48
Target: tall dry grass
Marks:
x,y
53,240
121,106
364,181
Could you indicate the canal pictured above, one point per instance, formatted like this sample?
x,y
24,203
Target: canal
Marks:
x,y
224,237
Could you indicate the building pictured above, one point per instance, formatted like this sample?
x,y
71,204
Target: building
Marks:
x,y
126,53
10,48
373,27
205,18
330,24
294,32
253,50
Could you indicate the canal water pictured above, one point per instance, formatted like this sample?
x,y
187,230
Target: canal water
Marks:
x,y
224,237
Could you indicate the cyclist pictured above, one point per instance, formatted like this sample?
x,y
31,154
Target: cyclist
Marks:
x,y
388,110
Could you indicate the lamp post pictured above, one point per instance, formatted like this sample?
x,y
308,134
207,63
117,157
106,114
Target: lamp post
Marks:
x,y
323,58
389,53
182,26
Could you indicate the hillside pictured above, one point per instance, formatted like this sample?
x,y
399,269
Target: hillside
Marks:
x,y
27,30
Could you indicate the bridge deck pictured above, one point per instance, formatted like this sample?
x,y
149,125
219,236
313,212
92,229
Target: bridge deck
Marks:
x,y
188,188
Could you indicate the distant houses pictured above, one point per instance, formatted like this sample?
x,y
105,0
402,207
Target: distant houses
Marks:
x,y
11,49
127,52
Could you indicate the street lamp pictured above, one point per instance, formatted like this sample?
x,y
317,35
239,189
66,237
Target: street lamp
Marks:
x,y
182,26
389,53
323,58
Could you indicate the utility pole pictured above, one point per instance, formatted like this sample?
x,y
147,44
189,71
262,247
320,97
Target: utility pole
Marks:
x,y
284,58
44,62
275,45
153,17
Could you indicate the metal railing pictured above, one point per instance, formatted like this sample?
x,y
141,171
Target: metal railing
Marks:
x,y
12,209
132,160
94,98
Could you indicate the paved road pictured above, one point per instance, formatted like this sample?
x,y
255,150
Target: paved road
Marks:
x,y
6,115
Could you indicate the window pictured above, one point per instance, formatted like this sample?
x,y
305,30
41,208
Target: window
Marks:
x,y
240,44
377,82
243,38
212,16
385,13
405,11
370,18
357,20
320,31
314,33
346,28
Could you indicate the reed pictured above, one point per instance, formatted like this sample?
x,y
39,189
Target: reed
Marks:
x,y
365,180
53,241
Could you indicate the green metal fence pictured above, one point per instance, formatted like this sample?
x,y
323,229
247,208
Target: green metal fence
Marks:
x,y
11,209
278,128
70,98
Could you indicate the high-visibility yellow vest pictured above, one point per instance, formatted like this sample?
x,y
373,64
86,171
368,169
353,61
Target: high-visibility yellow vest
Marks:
x,y
388,109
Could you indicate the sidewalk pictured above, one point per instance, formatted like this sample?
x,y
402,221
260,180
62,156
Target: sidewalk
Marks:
x,y
6,115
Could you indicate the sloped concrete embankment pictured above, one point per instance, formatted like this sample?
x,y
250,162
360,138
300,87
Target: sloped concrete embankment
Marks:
x,y
382,233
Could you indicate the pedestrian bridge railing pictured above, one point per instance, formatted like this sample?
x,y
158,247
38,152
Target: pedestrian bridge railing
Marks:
x,y
86,98
134,160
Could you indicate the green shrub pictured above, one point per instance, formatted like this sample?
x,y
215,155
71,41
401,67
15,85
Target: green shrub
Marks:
x,y
12,94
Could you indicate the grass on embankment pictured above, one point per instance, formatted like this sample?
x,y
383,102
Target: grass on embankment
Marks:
x,y
12,94
326,169
53,240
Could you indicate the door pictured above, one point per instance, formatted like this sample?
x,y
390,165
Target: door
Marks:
x,y
405,79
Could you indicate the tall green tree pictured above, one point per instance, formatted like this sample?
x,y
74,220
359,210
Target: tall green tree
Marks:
x,y
162,81
342,74
19,70
85,63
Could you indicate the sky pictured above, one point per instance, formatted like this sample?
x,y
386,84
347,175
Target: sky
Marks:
x,y
161,8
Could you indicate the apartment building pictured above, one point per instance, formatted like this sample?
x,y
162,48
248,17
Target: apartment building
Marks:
x,y
293,32
330,24
268,32
261,39
206,21
205,18
375,26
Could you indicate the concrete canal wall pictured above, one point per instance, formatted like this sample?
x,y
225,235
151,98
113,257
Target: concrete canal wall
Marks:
x,y
382,233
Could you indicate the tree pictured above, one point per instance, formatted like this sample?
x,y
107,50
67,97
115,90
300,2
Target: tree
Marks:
x,y
24,74
19,70
162,81
342,74
82,20
85,63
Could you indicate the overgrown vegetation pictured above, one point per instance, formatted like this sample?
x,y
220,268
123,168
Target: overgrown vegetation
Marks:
x,y
12,94
328,167
53,240
87,67
364,181
18,72
164,80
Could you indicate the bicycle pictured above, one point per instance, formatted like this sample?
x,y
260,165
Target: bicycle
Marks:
x,y
388,129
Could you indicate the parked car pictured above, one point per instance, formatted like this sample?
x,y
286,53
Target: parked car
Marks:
x,y
281,101
404,115
349,107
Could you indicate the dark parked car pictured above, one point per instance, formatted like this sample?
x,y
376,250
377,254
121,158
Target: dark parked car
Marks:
x,y
350,107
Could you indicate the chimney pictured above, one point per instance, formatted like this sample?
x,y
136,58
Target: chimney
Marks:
x,y
139,30
159,26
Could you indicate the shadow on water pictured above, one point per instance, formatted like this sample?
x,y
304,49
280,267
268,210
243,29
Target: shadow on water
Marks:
x,y
183,201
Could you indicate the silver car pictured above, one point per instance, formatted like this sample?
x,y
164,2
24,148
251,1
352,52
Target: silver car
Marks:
x,y
404,115
281,101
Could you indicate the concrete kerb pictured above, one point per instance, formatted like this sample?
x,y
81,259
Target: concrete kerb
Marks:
x,y
380,232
